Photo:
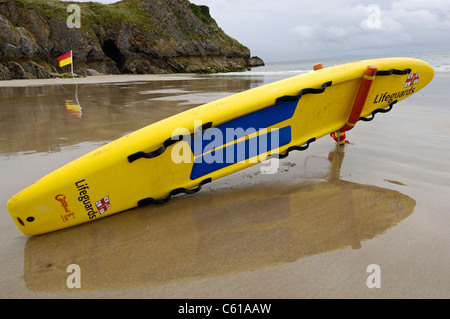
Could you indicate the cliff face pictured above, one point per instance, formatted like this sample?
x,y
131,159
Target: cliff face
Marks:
x,y
131,36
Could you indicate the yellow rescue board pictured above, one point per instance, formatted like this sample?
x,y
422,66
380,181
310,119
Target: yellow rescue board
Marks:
x,y
187,150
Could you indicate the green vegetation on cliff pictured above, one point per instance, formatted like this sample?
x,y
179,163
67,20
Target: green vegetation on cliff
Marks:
x,y
201,12
130,36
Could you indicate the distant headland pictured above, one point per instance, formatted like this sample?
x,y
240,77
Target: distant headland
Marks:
x,y
127,37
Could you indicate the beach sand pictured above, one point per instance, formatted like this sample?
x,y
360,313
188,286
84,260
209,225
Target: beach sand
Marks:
x,y
312,230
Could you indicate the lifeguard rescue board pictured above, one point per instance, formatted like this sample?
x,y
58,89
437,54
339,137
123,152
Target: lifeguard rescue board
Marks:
x,y
183,152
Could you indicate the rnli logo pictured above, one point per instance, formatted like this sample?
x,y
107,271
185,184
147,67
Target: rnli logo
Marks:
x,y
103,205
412,79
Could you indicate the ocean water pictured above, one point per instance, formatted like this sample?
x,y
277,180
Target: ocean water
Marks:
x,y
274,71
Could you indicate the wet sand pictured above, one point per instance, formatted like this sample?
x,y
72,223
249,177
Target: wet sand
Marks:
x,y
309,231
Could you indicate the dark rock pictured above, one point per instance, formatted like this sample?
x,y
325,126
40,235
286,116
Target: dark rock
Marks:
x,y
5,73
255,61
131,36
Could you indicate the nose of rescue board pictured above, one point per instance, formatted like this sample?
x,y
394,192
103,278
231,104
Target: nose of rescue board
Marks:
x,y
28,220
105,182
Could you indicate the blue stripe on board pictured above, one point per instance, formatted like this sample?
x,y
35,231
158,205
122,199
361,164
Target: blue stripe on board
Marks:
x,y
243,125
223,157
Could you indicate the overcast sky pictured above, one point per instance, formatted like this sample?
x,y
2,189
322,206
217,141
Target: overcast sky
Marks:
x,y
286,30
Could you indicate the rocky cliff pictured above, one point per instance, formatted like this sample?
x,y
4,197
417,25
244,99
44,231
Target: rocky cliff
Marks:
x,y
130,36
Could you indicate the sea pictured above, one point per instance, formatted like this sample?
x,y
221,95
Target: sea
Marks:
x,y
273,71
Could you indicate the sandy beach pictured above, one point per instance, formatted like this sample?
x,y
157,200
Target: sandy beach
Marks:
x,y
97,79
310,231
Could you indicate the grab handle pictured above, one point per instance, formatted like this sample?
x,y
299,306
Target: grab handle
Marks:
x,y
361,97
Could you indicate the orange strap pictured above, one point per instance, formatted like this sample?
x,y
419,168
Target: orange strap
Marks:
x,y
339,137
358,105
361,97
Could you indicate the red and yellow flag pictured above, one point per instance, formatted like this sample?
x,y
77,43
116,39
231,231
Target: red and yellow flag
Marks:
x,y
65,59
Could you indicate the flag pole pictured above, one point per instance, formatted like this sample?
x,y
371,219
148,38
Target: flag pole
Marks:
x,y
71,64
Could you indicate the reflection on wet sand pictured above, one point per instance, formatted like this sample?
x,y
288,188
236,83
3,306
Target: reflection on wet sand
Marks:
x,y
46,118
216,233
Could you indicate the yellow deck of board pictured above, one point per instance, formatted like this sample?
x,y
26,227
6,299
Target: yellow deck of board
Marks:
x,y
53,202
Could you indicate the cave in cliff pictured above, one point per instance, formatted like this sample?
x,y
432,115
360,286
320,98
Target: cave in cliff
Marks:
x,y
112,51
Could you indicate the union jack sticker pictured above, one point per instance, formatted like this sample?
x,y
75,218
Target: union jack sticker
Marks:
x,y
103,205
413,78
